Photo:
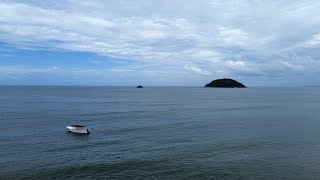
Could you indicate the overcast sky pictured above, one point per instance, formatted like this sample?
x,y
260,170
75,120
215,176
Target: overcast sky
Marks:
x,y
159,42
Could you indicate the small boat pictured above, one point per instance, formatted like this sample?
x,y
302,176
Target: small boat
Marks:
x,y
78,129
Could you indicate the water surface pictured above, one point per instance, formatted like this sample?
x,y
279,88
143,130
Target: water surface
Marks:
x,y
160,133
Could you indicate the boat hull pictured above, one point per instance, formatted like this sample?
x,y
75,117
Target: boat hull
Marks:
x,y
78,130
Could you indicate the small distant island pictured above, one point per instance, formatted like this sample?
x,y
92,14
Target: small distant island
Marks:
x,y
225,83
139,86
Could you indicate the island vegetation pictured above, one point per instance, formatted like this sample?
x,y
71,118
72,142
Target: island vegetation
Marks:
x,y
225,83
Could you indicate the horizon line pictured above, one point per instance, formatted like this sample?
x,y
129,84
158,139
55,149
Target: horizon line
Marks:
x,y
193,86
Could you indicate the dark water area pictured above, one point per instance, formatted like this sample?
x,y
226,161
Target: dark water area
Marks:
x,y
159,133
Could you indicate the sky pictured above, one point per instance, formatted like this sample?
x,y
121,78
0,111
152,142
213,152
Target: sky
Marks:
x,y
159,43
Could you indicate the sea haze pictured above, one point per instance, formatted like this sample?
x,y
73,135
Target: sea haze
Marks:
x,y
159,133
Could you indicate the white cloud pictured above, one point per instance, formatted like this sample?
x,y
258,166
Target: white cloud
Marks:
x,y
243,68
233,36
314,41
297,67
237,65
196,70
27,70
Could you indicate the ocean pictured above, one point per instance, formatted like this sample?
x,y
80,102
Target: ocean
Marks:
x,y
159,133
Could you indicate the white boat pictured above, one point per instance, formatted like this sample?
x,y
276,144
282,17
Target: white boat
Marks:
x,y
78,129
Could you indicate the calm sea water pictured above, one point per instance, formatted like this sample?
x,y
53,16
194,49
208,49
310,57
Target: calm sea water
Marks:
x,y
160,133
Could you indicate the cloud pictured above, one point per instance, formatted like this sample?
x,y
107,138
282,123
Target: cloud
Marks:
x,y
233,37
313,42
22,70
243,68
196,70
237,65
296,67
237,37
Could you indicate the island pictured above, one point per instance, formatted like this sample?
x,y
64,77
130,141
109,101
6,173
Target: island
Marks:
x,y
139,86
225,83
